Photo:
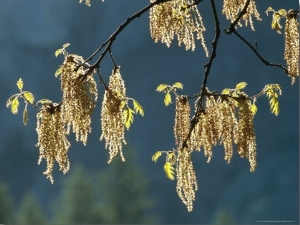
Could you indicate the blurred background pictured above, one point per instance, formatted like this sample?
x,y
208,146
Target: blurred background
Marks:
x,y
138,191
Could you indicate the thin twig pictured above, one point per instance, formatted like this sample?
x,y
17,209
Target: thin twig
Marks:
x,y
231,29
112,59
255,50
101,80
112,37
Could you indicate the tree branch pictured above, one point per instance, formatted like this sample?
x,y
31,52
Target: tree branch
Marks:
x,y
254,49
233,24
207,66
231,29
112,37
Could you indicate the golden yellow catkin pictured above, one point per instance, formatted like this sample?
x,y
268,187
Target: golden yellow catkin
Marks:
x,y
291,51
245,139
182,120
231,10
113,130
52,142
186,186
79,97
177,18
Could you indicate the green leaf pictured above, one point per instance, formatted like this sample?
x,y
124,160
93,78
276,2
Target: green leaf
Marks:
x,y
277,15
66,45
168,99
282,12
253,109
25,116
20,84
58,72
28,96
272,92
274,105
128,117
177,85
44,102
15,105
226,91
276,22
269,9
138,108
162,87
61,50
9,101
169,169
156,156
240,86
58,52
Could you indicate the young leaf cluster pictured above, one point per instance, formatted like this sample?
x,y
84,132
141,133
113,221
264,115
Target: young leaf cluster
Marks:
x,y
13,101
167,89
276,18
128,112
169,162
272,91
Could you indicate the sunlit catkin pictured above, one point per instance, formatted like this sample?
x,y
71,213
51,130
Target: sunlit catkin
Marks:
x,y
231,10
206,131
113,130
291,51
79,97
186,178
182,120
245,139
52,142
227,125
177,18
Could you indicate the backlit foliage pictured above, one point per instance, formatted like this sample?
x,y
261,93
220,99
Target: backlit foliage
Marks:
x,y
177,18
80,95
52,142
231,10
55,121
291,33
167,89
272,91
226,119
13,101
